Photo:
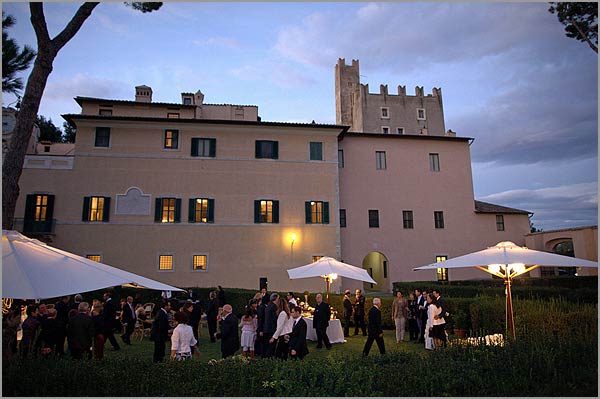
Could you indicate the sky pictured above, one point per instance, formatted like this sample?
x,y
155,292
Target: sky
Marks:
x,y
510,78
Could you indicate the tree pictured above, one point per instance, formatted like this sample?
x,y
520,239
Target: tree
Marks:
x,y
69,133
48,131
13,59
47,50
580,20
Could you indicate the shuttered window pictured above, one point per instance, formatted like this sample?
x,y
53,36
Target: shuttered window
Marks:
x,y
96,209
316,212
167,210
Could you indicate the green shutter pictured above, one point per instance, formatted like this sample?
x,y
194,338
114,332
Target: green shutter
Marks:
x,y
276,150
50,208
158,210
192,210
177,210
211,211
256,211
213,148
106,212
195,147
325,212
257,153
30,207
85,214
307,212
275,211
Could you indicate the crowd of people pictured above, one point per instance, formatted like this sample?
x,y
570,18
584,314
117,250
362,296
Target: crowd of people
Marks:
x,y
271,325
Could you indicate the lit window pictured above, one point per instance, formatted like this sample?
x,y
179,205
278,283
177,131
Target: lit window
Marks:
x,y
202,147
421,114
41,208
438,217
173,115
434,162
171,139
95,258
95,207
442,272
407,219
373,218
165,262
316,258
316,151
201,210
102,137
266,211
500,222
167,210
380,160
317,212
199,262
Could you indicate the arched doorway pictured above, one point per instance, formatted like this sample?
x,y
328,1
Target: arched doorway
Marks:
x,y
376,264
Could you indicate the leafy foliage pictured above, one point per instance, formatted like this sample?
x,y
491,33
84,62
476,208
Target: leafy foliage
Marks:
x,y
580,20
48,131
13,59
144,6
69,133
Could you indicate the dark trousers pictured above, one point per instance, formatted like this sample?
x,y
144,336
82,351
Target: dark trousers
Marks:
x,y
268,348
412,329
423,324
369,343
322,337
359,321
98,346
79,352
258,345
60,344
109,335
159,351
282,349
347,324
212,329
128,331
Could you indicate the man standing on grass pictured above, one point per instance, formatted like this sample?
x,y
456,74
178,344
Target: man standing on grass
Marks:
x,y
375,329
298,347
230,341
359,313
321,322
160,331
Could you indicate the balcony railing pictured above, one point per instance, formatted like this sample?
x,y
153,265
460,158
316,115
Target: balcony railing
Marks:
x,y
34,227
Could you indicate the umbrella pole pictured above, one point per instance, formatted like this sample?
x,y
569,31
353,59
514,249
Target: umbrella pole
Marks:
x,y
510,322
328,281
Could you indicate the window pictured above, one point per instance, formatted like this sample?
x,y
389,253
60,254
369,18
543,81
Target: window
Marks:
x,y
187,101
400,130
342,218
385,269
95,209
102,137
266,211
95,258
373,218
316,151
500,222
438,217
442,272
385,112
421,114
316,212
239,112
167,210
39,209
171,139
340,159
407,219
165,262
380,161
565,248
105,112
201,210
46,148
434,162
385,130
267,149
199,262
316,258
173,115
202,147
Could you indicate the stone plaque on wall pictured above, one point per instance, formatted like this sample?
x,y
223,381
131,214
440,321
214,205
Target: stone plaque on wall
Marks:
x,y
133,202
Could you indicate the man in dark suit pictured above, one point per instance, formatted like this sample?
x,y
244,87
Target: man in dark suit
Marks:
x,y
270,325
230,341
81,333
212,311
321,322
110,315
159,333
347,312
297,344
375,329
128,318
421,313
259,345
62,316
359,313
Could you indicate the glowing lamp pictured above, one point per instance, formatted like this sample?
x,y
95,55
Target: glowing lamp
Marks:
x,y
494,268
333,276
294,236
518,268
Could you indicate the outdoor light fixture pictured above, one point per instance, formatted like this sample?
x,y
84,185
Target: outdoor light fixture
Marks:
x,y
293,237
328,279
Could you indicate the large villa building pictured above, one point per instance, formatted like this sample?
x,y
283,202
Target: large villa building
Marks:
x,y
198,194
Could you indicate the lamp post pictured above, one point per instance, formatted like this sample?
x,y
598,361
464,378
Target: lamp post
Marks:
x,y
292,246
507,272
328,278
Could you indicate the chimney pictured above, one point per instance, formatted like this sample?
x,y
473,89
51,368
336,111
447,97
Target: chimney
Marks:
x,y
143,94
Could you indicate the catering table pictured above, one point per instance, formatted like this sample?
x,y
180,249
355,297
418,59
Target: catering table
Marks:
x,y
334,331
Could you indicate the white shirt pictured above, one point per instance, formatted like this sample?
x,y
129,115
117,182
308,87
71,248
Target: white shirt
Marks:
x,y
293,302
285,324
182,339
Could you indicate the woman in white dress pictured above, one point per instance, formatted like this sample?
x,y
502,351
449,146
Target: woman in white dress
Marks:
x,y
182,340
434,327
249,324
285,323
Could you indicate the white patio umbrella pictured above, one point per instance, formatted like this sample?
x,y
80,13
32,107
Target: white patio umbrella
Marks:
x,y
329,269
507,261
34,270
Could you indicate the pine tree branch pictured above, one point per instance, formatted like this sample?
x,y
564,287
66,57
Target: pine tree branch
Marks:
x,y
584,36
38,21
73,26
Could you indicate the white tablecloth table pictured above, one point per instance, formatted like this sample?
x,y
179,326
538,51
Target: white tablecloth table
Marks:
x,y
334,331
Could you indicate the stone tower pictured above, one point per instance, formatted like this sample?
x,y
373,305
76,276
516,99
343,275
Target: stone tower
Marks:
x,y
384,112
